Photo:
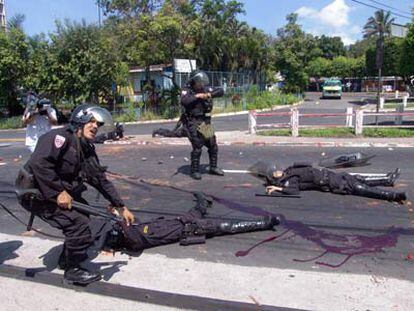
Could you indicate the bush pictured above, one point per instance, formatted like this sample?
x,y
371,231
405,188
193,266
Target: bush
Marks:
x,y
11,123
268,99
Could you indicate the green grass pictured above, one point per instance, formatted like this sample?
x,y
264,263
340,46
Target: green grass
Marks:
x,y
11,123
395,104
343,132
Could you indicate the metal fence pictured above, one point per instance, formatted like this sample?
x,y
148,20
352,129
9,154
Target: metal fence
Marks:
x,y
235,84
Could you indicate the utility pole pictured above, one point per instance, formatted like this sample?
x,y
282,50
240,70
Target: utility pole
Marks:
x,y
99,12
2,15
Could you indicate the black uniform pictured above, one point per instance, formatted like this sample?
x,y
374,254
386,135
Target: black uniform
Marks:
x,y
198,113
305,177
61,161
190,228
179,130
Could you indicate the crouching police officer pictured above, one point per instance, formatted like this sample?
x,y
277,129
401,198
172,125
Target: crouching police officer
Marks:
x,y
198,105
62,161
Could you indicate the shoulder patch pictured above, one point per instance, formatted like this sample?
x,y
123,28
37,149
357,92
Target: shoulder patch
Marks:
x,y
183,93
59,141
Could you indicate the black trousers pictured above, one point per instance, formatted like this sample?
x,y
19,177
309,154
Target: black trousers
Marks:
x,y
74,226
197,140
163,231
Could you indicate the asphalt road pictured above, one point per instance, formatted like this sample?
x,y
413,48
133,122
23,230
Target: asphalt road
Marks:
x,y
318,222
313,104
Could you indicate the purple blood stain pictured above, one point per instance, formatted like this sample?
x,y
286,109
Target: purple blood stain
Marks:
x,y
331,243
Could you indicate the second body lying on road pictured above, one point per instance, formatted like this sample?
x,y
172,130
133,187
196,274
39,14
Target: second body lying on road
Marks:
x,y
303,176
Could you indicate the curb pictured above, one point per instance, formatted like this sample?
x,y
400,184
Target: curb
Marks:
x,y
319,144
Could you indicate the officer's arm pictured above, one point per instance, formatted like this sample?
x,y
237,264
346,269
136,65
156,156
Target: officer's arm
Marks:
x,y
52,115
217,92
188,98
44,162
292,186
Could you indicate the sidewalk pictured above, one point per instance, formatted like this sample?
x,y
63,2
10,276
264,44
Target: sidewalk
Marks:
x,y
184,281
243,138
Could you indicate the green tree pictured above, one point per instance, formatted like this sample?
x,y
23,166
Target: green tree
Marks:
x,y
318,68
13,67
406,65
331,46
392,55
293,50
85,67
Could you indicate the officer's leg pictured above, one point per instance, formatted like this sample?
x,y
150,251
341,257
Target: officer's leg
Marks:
x,y
376,193
163,132
197,144
215,227
386,181
75,227
213,154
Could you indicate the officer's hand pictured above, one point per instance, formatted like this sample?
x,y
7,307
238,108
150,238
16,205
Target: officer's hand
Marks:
x,y
64,200
128,216
271,189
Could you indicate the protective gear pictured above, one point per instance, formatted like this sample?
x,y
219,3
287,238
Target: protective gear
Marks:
x,y
375,193
386,181
263,169
64,200
346,160
200,77
195,164
233,227
80,276
214,170
84,113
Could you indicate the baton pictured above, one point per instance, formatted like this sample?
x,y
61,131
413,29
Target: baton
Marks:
x,y
277,195
80,207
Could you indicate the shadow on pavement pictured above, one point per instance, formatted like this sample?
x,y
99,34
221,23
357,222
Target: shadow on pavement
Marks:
x,y
7,250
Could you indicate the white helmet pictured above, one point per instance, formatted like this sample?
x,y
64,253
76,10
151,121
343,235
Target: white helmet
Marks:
x,y
84,114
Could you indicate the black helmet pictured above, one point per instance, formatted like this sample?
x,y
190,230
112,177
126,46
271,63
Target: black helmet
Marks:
x,y
199,76
84,114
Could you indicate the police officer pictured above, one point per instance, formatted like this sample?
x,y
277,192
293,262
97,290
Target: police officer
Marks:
x,y
189,228
302,176
197,103
62,161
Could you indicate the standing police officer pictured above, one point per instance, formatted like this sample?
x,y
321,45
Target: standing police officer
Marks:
x,y
198,105
62,160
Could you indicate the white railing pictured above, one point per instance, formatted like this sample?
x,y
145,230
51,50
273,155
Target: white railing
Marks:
x,y
350,115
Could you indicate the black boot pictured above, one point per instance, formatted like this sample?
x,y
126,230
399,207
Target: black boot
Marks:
x,y
195,165
381,194
214,170
80,276
232,227
203,203
387,181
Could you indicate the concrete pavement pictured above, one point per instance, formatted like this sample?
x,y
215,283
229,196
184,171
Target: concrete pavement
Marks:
x,y
260,286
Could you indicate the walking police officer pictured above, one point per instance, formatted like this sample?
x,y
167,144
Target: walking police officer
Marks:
x,y
198,106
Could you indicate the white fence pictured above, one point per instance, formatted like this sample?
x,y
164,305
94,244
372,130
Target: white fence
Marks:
x,y
352,118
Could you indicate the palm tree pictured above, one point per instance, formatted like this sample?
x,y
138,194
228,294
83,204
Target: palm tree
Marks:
x,y
16,22
379,26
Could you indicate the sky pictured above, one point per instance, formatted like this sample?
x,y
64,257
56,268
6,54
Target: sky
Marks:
x,y
344,18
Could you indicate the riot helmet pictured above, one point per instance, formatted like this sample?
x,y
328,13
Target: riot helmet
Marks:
x,y
84,114
264,169
198,78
